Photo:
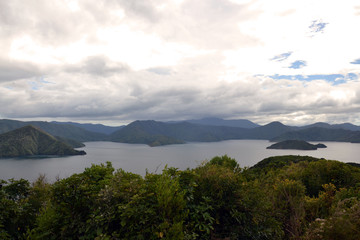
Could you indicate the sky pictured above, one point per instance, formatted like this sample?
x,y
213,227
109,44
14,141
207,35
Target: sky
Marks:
x,y
116,61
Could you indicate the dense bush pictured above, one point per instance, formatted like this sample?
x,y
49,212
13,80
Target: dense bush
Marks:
x,y
289,197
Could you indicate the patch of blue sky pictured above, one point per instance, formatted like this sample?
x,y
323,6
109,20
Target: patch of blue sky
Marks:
x,y
357,61
298,64
336,79
352,76
34,85
317,26
38,83
42,80
281,57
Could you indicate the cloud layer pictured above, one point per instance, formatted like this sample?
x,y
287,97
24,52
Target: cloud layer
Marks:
x,y
117,61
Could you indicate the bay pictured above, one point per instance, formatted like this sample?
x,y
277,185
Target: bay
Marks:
x,y
138,158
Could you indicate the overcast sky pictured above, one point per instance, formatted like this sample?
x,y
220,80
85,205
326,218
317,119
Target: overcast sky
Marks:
x,y
115,61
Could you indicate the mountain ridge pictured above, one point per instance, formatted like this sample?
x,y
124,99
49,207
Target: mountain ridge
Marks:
x,y
156,133
30,140
213,121
98,128
320,134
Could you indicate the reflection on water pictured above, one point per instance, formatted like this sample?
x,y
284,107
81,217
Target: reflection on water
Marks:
x,y
140,158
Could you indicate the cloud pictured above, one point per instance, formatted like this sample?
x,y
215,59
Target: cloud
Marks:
x,y
97,66
207,24
15,70
357,9
50,23
160,70
140,8
149,98
118,61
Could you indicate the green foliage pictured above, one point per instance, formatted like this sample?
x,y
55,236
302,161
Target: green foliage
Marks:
x,y
72,203
344,223
324,171
255,213
219,185
19,206
12,195
225,161
289,197
276,163
289,200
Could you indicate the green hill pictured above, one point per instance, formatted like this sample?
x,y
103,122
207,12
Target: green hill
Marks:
x,y
29,141
64,131
142,131
296,144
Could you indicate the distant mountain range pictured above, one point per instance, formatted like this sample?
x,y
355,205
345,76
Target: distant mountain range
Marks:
x,y
155,133
29,141
242,123
141,131
320,134
345,126
98,128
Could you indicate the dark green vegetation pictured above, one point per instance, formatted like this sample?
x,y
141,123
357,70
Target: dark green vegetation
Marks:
x,y
29,141
296,144
156,133
288,197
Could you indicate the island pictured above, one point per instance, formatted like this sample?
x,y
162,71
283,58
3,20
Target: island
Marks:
x,y
32,141
296,144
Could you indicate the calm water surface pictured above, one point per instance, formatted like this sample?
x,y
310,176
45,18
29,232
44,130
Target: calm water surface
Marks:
x,y
138,158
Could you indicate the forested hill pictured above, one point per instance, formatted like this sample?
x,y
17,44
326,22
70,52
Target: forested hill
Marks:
x,y
296,144
187,132
29,141
280,198
182,131
65,131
